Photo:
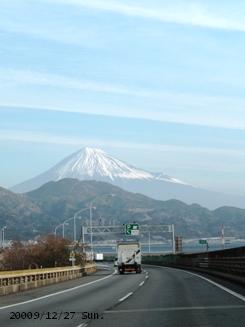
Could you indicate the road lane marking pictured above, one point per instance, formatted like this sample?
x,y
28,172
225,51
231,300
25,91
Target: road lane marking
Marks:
x,y
142,283
84,324
215,307
235,294
57,293
125,297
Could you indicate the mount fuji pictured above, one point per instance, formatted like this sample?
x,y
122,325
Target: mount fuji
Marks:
x,y
95,164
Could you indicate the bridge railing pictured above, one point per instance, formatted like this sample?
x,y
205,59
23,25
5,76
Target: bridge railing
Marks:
x,y
15,281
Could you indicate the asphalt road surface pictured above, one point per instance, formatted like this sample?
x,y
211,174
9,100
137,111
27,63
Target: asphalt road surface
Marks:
x,y
157,297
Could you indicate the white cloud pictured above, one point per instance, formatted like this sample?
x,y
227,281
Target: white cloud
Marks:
x,y
161,105
32,18
68,35
54,80
180,12
46,138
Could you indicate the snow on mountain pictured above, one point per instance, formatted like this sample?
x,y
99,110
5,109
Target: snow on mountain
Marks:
x,y
92,163
166,178
95,164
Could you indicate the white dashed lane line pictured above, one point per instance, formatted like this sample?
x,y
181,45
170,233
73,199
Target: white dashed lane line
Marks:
x,y
125,297
130,293
84,324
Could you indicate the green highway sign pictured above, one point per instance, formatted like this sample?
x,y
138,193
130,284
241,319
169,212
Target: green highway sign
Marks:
x,y
132,229
203,241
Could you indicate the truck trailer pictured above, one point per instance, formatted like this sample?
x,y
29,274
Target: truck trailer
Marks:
x,y
98,256
128,257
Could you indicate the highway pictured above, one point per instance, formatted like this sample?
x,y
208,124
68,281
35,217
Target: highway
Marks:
x,y
157,297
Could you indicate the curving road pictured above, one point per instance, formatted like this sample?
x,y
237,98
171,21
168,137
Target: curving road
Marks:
x,y
158,297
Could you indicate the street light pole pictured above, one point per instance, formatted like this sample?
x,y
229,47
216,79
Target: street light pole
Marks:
x,y
2,231
65,223
74,221
223,236
173,239
91,232
74,228
63,230
149,242
55,230
83,234
91,221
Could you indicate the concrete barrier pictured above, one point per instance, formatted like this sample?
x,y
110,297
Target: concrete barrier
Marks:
x,y
21,280
228,264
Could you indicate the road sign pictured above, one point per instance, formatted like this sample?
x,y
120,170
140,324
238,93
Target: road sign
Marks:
x,y
203,241
72,255
120,229
132,229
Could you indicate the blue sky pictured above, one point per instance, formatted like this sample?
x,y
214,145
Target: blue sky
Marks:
x,y
159,84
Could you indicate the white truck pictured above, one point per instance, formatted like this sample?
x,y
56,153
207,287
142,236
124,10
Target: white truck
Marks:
x,y
98,257
128,257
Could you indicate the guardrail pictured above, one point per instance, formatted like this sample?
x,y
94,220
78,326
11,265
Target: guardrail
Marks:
x,y
20,280
228,264
232,265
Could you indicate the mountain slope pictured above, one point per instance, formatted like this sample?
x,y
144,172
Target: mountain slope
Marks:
x,y
17,212
54,202
65,197
16,204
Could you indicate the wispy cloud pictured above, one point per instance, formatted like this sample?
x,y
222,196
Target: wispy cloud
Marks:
x,y
54,80
47,138
68,35
180,12
35,78
34,20
160,105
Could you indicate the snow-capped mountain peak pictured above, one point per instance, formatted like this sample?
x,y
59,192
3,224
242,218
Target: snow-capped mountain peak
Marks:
x,y
94,164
